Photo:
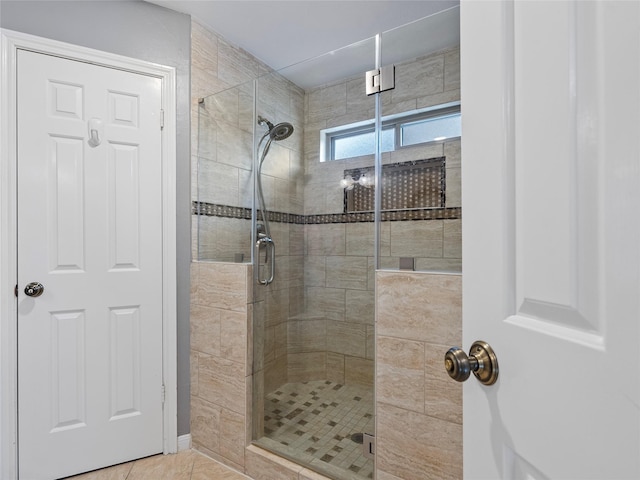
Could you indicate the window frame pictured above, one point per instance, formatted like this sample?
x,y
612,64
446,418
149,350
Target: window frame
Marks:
x,y
395,122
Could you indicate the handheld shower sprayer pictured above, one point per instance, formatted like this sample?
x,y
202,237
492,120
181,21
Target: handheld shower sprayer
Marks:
x,y
277,132
264,242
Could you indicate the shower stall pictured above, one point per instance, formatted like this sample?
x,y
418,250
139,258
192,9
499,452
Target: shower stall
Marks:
x,y
315,185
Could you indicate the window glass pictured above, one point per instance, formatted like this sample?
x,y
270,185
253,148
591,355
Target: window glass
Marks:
x,y
352,145
360,143
430,129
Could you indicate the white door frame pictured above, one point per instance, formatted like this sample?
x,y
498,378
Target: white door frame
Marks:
x,y
10,43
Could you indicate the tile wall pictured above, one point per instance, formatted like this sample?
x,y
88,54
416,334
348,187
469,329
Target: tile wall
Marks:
x,y
418,407
221,296
219,68
222,145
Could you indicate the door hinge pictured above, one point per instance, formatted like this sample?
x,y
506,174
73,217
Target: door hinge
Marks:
x,y
380,80
161,119
15,291
162,394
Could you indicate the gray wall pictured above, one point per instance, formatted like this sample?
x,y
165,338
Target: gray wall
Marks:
x,y
145,31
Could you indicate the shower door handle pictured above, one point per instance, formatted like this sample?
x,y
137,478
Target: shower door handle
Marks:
x,y
270,257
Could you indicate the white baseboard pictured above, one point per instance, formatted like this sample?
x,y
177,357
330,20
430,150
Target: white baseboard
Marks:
x,y
184,442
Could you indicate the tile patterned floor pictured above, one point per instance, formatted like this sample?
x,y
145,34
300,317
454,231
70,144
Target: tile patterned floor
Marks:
x,y
312,424
186,465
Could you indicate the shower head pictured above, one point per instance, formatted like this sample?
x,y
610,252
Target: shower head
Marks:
x,y
276,132
281,131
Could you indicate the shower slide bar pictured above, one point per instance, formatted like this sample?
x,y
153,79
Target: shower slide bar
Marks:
x,y
276,133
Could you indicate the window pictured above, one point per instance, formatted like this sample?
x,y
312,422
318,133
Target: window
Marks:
x,y
434,124
431,129
360,142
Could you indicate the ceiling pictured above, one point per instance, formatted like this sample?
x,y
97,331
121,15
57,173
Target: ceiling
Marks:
x,y
298,33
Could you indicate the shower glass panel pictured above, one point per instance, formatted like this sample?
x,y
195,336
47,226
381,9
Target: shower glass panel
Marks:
x,y
225,179
420,182
313,325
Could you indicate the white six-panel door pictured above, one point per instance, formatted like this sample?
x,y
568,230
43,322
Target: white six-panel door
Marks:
x,y
551,237
90,231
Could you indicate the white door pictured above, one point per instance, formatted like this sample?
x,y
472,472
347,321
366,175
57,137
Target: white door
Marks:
x,y
90,231
551,235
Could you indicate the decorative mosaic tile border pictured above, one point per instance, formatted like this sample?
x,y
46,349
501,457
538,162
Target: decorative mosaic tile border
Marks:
x,y
215,210
241,213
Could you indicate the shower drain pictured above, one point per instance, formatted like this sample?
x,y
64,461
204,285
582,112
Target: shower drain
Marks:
x,y
358,438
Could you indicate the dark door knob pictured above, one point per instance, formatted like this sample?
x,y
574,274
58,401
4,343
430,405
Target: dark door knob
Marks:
x,y
34,289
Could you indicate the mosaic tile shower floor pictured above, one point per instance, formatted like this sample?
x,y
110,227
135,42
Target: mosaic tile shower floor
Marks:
x,y
312,423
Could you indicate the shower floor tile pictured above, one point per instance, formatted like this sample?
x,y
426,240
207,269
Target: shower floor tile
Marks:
x,y
313,422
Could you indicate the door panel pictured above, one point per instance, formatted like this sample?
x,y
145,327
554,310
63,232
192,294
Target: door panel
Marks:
x,y
68,365
89,230
125,362
556,226
124,178
550,94
65,203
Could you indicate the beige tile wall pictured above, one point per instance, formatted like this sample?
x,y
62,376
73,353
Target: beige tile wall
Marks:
x,y
221,296
222,143
418,407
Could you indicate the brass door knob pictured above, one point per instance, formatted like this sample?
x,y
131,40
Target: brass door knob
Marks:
x,y
482,361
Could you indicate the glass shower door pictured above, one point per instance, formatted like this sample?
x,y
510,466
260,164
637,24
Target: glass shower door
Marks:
x,y
313,325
